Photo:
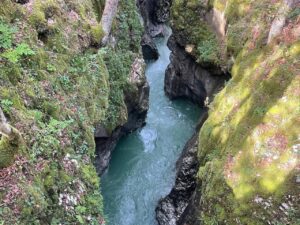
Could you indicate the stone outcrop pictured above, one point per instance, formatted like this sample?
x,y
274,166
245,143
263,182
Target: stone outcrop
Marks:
x,y
109,13
154,13
185,78
137,104
281,19
149,49
162,10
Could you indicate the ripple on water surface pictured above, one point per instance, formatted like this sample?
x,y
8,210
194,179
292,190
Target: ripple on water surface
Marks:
x,y
142,168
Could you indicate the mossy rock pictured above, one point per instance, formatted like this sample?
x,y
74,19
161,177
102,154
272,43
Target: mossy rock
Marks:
x,y
9,147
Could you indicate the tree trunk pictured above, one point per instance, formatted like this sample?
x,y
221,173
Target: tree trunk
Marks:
x,y
108,16
11,141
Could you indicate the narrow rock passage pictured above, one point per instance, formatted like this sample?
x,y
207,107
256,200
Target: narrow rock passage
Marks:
x,y
142,169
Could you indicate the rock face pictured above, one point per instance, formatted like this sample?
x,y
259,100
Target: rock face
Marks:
x,y
171,209
137,104
185,78
246,138
154,13
162,10
149,49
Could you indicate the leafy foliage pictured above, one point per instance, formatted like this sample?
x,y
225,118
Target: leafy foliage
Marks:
x,y
208,51
14,55
10,53
47,138
127,28
6,33
118,65
6,105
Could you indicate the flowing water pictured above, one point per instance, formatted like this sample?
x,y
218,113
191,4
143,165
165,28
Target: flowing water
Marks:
x,y
142,168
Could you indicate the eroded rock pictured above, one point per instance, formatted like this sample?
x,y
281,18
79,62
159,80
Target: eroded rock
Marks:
x,y
149,49
185,78
137,103
171,208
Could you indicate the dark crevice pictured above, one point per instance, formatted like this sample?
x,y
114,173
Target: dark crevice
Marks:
x,y
22,2
43,36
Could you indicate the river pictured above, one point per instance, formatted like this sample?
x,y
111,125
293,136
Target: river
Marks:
x,y
142,168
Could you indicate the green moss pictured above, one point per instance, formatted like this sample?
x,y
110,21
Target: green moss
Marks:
x,y
195,31
246,155
97,33
12,96
248,20
219,4
98,7
9,11
9,146
51,108
7,152
90,175
55,98
253,137
38,19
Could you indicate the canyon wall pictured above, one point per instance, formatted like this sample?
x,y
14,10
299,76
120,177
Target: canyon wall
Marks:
x,y
61,89
248,168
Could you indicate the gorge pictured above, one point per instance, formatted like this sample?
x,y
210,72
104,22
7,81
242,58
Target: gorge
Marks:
x,y
205,132
142,169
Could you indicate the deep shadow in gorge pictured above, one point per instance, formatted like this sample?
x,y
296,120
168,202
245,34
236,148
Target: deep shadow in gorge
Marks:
x,y
142,169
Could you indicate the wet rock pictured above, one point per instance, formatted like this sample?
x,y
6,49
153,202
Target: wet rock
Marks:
x,y
162,10
149,49
155,14
104,147
186,78
137,103
171,208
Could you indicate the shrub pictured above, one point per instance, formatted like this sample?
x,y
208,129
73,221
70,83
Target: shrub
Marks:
x,y
6,33
6,105
14,55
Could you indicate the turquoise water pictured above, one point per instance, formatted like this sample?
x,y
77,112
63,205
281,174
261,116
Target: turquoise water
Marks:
x,y
142,168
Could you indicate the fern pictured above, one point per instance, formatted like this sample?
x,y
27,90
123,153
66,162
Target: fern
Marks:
x,y
14,55
6,33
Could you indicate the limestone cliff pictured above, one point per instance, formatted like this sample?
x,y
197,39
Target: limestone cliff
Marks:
x,y
57,87
248,148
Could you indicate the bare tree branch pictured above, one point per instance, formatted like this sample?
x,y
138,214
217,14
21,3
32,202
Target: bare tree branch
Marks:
x,y
10,142
5,128
108,16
